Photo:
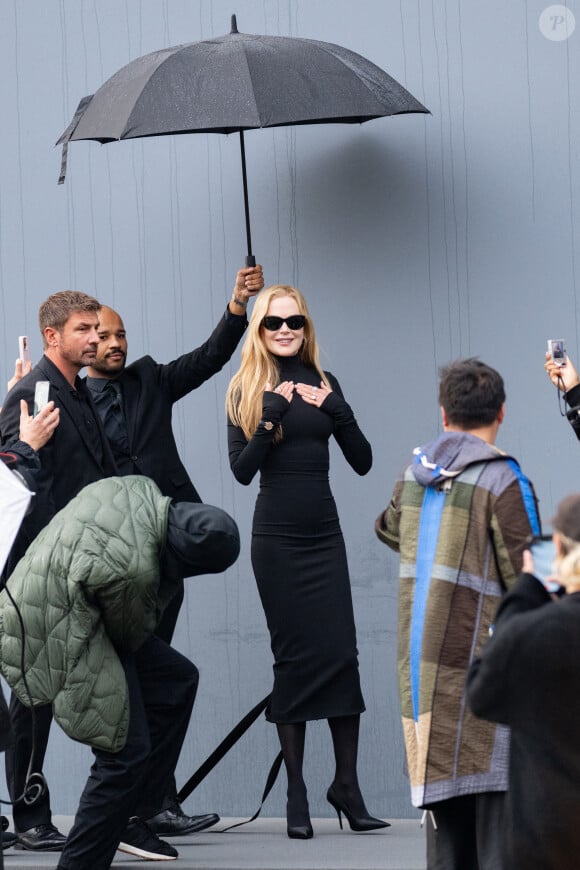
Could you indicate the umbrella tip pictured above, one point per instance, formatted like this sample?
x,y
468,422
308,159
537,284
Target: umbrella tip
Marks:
x,y
234,25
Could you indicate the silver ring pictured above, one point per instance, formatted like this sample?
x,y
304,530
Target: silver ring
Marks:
x,y
312,396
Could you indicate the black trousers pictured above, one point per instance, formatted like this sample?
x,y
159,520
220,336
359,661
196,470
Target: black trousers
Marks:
x,y
162,685
18,757
467,834
168,620
165,630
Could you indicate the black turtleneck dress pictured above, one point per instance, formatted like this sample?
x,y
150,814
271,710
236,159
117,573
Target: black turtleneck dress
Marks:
x,y
298,552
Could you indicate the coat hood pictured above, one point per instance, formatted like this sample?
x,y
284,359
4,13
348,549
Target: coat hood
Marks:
x,y
201,539
449,455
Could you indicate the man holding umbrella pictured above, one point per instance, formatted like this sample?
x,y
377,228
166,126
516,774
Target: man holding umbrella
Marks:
x,y
135,404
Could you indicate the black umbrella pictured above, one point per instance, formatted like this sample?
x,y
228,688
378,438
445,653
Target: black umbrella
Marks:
x,y
234,83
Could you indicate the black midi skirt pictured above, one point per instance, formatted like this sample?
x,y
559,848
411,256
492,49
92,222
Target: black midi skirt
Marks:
x,y
304,587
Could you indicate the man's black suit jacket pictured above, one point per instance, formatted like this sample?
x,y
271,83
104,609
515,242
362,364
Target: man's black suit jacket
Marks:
x,y
150,390
68,461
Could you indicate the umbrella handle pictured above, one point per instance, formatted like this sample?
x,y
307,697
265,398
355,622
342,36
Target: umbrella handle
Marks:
x,y
250,260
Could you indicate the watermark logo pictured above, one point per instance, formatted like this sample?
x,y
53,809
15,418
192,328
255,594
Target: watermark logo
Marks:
x,y
557,23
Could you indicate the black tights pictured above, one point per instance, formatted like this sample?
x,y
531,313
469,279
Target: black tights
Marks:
x,y
344,731
292,742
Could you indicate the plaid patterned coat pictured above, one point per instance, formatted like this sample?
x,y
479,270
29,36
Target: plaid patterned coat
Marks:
x,y
460,517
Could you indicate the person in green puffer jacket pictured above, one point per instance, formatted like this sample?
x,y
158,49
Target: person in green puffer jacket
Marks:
x,y
90,593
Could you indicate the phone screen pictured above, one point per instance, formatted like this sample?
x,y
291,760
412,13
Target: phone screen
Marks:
x,y
23,351
41,391
543,553
557,350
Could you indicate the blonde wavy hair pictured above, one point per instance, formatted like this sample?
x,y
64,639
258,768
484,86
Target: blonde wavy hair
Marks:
x,y
259,367
568,565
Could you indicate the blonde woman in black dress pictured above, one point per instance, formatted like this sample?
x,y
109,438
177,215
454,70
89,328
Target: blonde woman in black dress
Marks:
x,y
282,410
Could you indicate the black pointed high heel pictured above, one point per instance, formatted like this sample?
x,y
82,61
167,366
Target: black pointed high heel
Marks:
x,y
362,823
300,832
299,826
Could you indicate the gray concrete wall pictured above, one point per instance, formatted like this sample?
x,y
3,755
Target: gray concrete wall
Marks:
x,y
416,240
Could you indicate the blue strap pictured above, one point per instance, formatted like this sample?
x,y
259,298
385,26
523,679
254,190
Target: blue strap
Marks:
x,y
528,497
429,524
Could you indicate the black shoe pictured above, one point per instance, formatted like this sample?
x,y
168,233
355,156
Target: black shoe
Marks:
x,y
42,838
300,832
362,822
298,825
140,840
8,838
173,822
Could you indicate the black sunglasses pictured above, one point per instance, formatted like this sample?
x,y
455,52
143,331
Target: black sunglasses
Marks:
x,y
272,323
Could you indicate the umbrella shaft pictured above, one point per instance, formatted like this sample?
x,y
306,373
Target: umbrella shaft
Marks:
x,y
250,261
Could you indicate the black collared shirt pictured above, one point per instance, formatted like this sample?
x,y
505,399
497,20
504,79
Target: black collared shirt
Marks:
x,y
107,397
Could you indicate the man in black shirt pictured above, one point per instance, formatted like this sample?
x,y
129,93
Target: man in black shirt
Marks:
x,y
78,453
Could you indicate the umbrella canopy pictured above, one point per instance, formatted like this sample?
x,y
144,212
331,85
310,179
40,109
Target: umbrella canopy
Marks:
x,y
234,83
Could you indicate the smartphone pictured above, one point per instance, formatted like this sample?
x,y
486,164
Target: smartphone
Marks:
x,y
557,350
544,553
40,395
23,351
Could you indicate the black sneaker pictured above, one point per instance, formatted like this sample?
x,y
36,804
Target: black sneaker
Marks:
x,y
140,840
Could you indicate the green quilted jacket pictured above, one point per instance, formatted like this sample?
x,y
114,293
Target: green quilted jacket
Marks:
x,y
89,584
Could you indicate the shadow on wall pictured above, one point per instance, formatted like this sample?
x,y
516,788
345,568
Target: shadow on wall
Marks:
x,y
361,191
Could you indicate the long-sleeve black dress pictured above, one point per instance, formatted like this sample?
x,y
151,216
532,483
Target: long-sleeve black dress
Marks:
x,y
298,552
